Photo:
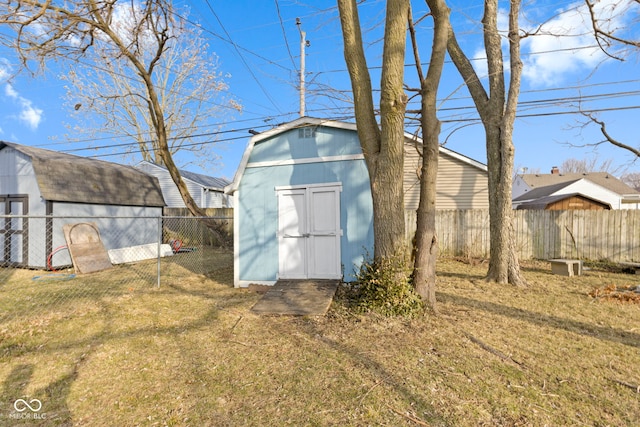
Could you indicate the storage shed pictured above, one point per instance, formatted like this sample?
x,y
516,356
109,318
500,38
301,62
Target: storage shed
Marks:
x,y
303,207
54,189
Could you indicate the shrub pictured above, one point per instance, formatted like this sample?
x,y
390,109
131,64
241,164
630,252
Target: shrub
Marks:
x,y
384,287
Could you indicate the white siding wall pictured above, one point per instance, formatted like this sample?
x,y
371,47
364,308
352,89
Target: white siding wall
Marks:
x,y
18,177
172,197
519,187
120,226
592,190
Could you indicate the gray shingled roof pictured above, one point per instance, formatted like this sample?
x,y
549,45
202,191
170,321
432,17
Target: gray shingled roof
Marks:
x,y
68,178
545,191
603,179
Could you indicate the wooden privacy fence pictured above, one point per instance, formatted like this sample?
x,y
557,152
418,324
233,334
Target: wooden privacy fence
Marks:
x,y
595,235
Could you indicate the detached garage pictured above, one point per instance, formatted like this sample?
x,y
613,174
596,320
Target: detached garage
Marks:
x,y
54,189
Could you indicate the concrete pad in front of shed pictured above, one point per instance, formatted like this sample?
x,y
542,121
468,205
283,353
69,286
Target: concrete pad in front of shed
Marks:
x,y
298,298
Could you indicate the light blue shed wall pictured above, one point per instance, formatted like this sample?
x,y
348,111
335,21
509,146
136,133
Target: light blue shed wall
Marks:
x,y
289,146
258,207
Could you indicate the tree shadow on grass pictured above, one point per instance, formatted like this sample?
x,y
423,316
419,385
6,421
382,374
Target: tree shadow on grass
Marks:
x,y
44,407
54,396
581,328
377,370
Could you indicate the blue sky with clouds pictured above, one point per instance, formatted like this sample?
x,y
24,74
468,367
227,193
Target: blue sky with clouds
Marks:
x,y
258,45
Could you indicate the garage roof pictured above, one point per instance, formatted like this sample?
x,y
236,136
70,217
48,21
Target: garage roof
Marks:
x,y
68,178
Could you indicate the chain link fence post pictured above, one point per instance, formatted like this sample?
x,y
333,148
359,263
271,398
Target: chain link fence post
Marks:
x,y
159,248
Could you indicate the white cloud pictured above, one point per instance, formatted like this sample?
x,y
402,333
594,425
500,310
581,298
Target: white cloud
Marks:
x,y
5,69
565,44
28,114
10,91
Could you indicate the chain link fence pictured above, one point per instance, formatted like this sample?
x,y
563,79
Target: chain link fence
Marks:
x,y
50,263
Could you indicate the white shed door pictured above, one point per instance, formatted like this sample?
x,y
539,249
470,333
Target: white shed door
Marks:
x,y
309,233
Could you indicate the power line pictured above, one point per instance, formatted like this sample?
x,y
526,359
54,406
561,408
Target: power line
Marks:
x,y
339,118
284,36
242,59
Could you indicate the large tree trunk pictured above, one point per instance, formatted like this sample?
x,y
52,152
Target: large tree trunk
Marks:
x,y
387,186
382,145
503,263
424,271
497,111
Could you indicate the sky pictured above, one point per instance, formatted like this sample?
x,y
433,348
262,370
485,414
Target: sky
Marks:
x,y
258,46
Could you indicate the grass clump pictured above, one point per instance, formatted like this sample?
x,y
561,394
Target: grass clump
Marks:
x,y
384,287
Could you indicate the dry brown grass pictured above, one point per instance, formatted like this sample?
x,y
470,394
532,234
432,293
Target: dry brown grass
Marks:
x,y
192,353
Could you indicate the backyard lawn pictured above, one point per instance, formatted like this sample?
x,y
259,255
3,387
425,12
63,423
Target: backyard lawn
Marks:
x,y
191,353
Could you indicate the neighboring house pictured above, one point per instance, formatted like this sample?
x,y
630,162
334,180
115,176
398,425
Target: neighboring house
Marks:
x,y
303,206
207,191
596,190
462,182
563,196
63,187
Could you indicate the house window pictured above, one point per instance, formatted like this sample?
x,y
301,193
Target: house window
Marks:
x,y
307,132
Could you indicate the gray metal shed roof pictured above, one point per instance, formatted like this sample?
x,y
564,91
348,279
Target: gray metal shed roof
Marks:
x,y
206,181
68,178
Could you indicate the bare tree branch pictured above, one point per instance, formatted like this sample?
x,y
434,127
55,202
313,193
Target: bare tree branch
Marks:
x,y
609,138
604,38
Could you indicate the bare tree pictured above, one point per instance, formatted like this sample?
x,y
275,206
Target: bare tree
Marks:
x,y
497,110
108,97
426,240
67,31
632,179
585,165
382,145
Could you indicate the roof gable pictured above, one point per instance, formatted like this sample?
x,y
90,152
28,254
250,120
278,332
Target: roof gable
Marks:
x,y
67,178
545,191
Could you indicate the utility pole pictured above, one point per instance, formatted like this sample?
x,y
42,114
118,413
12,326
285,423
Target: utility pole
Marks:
x,y
303,44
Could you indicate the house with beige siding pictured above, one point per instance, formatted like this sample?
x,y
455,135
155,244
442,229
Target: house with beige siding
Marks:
x,y
462,182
